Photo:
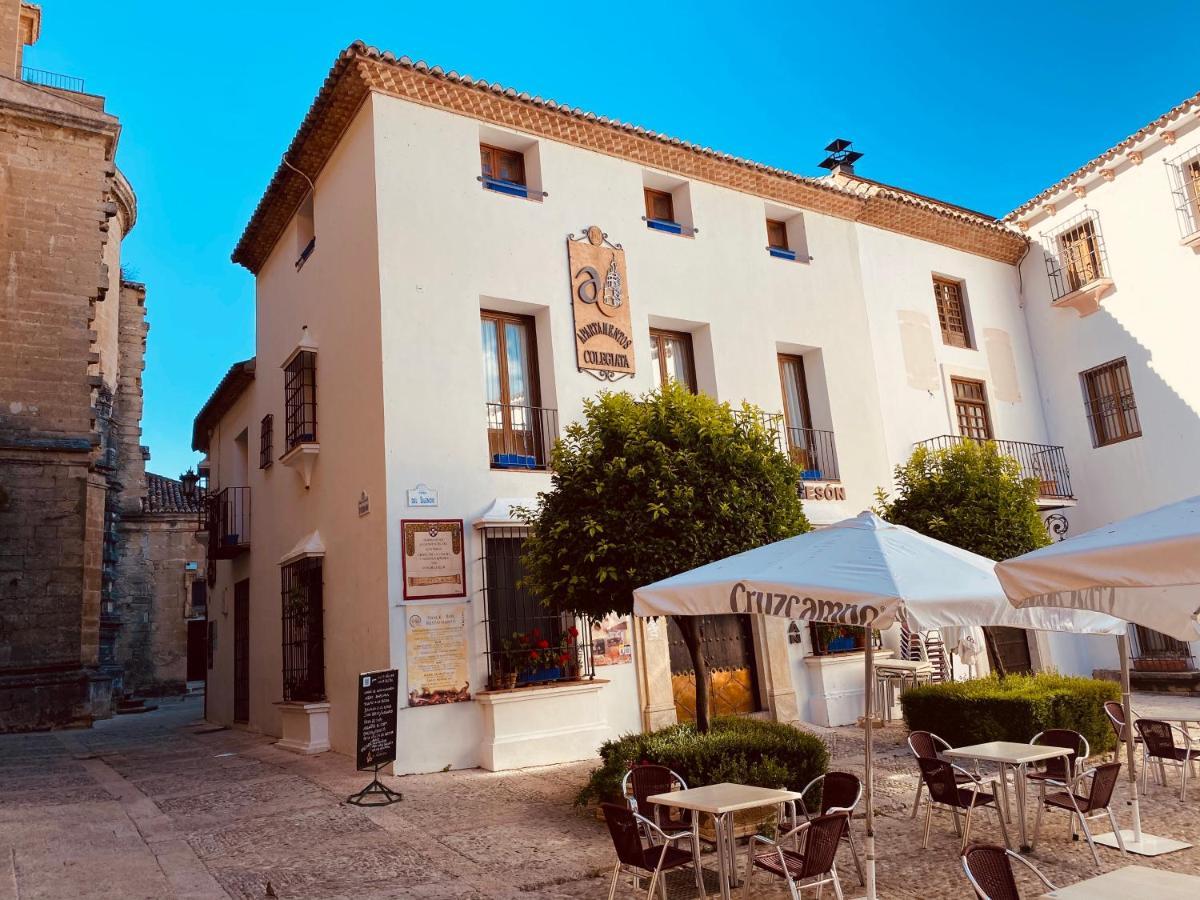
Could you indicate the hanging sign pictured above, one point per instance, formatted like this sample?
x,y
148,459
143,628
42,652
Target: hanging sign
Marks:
x,y
377,701
600,302
433,559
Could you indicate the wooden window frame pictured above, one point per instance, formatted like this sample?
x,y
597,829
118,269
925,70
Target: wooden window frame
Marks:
x,y
782,227
947,294
508,436
782,358
648,194
495,152
530,325
1089,378
266,441
982,404
657,335
1086,266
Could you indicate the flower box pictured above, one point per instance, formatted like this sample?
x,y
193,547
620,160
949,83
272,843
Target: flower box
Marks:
x,y
540,675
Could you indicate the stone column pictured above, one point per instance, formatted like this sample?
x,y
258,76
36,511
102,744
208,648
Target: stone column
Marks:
x,y
652,656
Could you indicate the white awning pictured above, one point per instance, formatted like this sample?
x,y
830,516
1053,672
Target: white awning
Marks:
x,y
309,545
502,514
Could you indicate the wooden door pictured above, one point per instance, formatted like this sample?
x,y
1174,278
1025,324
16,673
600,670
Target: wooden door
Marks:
x,y
241,651
197,649
1012,644
728,645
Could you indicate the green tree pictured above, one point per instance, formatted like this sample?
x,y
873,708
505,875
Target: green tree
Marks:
x,y
644,488
970,495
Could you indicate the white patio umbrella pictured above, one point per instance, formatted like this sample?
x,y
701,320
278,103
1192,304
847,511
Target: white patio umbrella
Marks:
x,y
1144,569
861,571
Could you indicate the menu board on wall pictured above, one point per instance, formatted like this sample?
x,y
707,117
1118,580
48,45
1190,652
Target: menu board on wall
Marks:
x,y
378,694
433,559
437,655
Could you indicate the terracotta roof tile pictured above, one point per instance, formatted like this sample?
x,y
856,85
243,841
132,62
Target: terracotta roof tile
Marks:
x,y
165,495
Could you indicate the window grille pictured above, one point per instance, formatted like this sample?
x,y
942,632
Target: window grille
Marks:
x,y
266,439
1184,174
1154,645
303,630
300,398
952,312
1077,256
1111,407
517,625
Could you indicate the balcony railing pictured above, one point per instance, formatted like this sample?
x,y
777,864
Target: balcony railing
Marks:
x,y
1184,174
225,515
52,79
812,449
1045,463
520,437
1154,651
1078,260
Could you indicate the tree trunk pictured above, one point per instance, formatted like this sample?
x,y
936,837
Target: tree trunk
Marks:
x,y
689,627
995,654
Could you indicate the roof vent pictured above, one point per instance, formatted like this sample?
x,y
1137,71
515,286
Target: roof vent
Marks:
x,y
841,158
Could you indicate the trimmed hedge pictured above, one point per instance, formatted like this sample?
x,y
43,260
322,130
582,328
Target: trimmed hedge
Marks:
x,y
745,751
1014,708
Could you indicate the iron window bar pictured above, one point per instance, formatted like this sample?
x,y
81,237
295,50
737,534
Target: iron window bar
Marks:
x,y
302,596
814,450
511,188
300,399
1149,645
1045,463
225,515
52,79
1076,256
1113,417
516,623
520,437
306,252
266,440
1183,174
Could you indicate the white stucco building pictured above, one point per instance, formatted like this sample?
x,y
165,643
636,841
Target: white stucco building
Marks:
x,y
424,333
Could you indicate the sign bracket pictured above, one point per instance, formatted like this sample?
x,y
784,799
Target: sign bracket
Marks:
x,y
375,794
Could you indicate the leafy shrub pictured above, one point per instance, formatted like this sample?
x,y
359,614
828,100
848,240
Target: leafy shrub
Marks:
x,y
1012,709
745,751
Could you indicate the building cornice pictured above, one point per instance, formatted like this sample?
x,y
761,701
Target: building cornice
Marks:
x,y
126,201
239,377
361,70
1130,150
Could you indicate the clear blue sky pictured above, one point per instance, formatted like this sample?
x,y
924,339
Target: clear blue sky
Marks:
x,y
981,104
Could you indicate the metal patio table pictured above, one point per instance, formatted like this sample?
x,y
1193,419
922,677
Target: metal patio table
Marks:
x,y
721,801
1132,881
1017,757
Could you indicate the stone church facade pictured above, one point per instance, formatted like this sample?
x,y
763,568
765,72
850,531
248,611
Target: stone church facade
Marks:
x,y
79,615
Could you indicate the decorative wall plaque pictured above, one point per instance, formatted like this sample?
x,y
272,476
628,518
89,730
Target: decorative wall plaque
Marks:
x,y
433,559
600,302
437,655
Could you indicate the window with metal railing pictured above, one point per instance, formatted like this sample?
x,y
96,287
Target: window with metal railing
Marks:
x,y
266,440
1154,651
527,643
300,399
1111,407
1077,258
952,312
1183,173
303,630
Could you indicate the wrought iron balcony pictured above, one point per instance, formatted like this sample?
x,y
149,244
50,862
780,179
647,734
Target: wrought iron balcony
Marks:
x,y
225,515
52,79
1045,463
812,449
520,437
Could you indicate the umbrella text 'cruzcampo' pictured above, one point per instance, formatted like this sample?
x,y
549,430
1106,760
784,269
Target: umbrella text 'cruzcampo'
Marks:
x,y
792,606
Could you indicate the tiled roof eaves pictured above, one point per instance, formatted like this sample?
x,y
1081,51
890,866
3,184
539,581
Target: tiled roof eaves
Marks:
x,y
360,69
231,386
1159,124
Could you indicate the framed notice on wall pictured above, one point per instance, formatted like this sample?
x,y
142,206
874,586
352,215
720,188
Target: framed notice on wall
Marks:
x,y
433,559
437,654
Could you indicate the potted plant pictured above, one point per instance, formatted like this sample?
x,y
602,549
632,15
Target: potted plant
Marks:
x,y
540,659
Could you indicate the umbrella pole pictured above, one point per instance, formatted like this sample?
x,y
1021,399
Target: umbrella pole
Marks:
x,y
1127,706
868,727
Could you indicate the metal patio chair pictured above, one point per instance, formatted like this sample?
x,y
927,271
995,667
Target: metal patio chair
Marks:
x,y
1116,718
1158,745
989,869
840,792
646,780
1097,803
812,867
1061,768
641,859
927,745
945,789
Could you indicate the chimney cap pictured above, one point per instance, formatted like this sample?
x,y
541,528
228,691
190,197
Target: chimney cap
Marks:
x,y
840,156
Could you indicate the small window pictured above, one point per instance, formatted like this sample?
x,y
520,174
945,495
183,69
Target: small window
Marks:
x,y
971,408
952,312
503,170
671,356
1111,408
520,433
777,238
306,235
266,437
300,399
303,630
1081,254
660,206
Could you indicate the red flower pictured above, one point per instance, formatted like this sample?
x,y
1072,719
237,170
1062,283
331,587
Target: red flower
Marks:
x,y
537,633
563,659
542,645
573,631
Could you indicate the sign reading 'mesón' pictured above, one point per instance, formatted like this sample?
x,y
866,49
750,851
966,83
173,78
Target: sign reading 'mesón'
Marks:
x,y
600,302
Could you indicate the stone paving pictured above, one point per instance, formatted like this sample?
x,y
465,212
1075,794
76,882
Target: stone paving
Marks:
x,y
162,805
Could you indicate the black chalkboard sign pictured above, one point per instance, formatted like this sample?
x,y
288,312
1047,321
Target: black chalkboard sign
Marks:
x,y
377,701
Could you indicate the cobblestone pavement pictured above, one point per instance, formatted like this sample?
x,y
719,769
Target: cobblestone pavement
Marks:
x,y
162,805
